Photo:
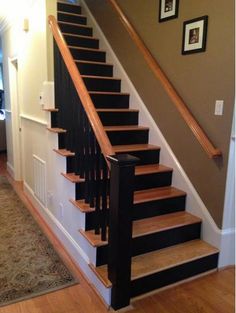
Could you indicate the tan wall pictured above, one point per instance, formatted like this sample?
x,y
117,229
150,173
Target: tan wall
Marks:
x,y
200,79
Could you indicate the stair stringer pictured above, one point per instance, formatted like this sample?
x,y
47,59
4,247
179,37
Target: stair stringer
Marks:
x,y
194,204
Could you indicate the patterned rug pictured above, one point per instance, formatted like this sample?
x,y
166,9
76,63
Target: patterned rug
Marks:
x,y
29,266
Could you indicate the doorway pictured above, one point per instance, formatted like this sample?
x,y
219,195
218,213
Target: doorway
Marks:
x,y
15,119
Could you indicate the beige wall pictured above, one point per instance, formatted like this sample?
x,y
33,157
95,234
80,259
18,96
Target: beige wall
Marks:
x,y
199,78
33,50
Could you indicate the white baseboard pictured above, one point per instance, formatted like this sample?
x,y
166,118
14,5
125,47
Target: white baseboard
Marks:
x,y
70,245
210,231
10,170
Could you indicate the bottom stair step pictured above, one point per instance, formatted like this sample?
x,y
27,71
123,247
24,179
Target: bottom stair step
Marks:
x,y
160,268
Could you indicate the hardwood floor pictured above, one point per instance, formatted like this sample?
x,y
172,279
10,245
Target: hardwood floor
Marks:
x,y
213,293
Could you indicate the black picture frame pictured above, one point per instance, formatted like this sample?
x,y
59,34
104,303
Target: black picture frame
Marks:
x,y
195,35
168,9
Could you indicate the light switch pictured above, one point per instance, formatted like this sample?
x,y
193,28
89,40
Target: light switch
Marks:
x,y
219,107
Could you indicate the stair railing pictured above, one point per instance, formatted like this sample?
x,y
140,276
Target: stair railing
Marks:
x,y
96,164
198,132
81,89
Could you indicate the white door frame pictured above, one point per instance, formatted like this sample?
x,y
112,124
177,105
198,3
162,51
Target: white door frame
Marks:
x,y
15,118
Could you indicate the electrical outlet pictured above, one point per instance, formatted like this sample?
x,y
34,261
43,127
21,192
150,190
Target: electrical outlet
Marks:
x,y
219,106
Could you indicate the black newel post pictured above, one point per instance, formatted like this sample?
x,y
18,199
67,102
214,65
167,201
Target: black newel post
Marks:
x,y
120,228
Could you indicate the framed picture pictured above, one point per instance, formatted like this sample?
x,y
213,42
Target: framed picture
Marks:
x,y
195,35
168,9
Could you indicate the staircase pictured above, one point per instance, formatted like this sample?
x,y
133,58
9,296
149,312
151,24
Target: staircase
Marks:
x,y
166,244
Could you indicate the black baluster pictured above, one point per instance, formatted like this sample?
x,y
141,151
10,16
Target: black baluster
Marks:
x,y
92,168
104,200
98,187
86,156
77,140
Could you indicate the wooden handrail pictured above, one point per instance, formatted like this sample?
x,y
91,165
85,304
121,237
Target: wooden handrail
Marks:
x,y
82,91
174,96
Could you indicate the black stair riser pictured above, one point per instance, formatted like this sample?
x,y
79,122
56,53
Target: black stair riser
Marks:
x,y
65,141
95,69
70,164
80,190
164,239
139,182
146,157
88,55
173,275
99,84
82,41
61,141
156,241
54,119
77,30
69,8
128,137
90,220
158,207
118,118
113,101
62,17
153,180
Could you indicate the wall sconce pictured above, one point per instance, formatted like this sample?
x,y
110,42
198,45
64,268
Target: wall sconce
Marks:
x,y
25,25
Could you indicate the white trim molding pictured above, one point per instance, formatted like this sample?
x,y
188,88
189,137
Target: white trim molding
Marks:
x,y
33,119
10,170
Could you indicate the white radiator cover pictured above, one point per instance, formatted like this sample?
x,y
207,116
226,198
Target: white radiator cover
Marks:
x,y
39,179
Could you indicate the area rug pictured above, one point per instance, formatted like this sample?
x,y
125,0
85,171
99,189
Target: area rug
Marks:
x,y
29,266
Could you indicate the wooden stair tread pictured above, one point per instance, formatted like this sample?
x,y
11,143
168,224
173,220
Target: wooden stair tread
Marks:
x,y
160,260
151,168
125,128
93,62
64,152
82,206
108,93
85,48
117,110
157,194
50,109
100,77
69,13
79,36
148,226
68,3
93,239
163,222
137,147
72,177
56,130
74,24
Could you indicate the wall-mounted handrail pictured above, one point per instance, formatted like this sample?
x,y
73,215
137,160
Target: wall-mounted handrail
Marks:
x,y
82,91
173,94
